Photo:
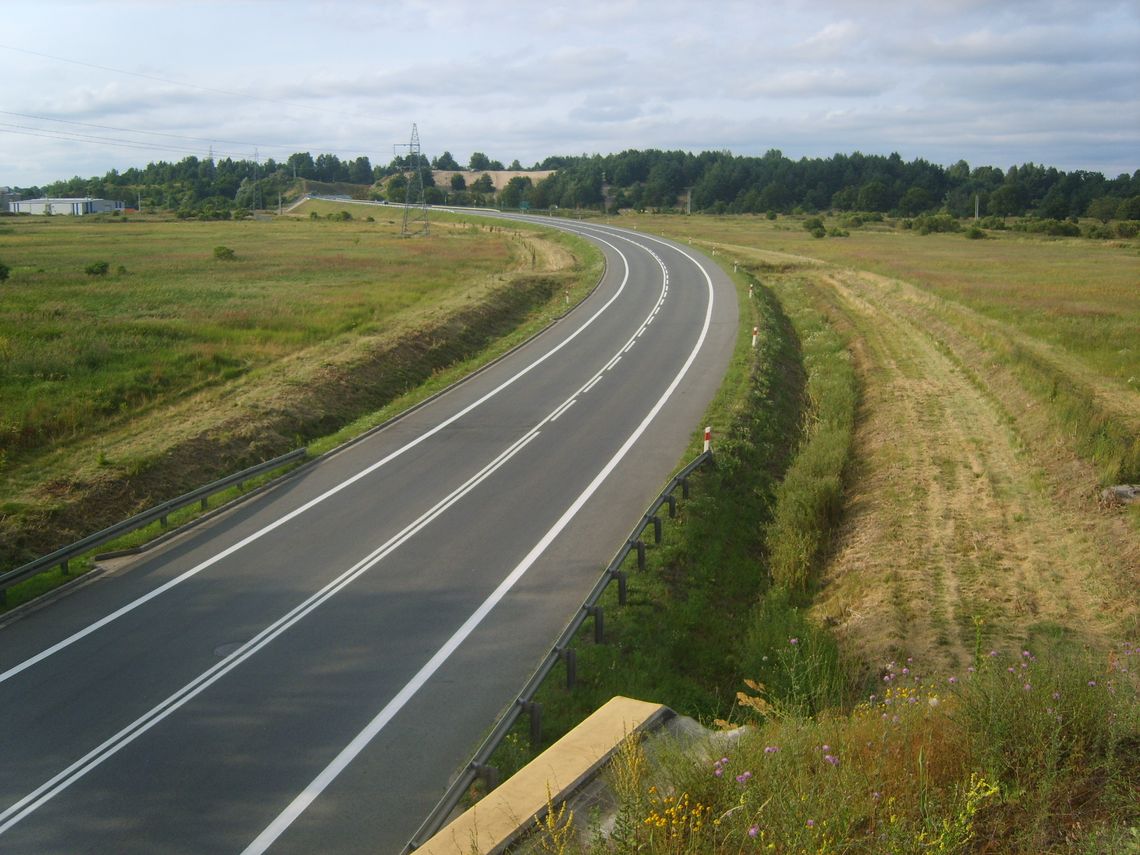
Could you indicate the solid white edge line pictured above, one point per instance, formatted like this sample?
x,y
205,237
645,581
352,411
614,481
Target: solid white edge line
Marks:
x,y
257,535
124,737
307,796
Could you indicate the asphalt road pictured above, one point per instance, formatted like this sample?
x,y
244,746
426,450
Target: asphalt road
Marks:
x,y
305,673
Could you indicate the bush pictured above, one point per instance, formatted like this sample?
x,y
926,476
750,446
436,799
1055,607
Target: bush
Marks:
x,y
1056,228
993,223
818,233
928,223
975,233
224,253
1127,229
97,268
812,224
4,271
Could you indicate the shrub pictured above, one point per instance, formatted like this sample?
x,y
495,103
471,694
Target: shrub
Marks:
x,y
1056,228
818,233
224,253
771,215
928,223
97,268
1127,229
4,271
975,233
811,224
996,224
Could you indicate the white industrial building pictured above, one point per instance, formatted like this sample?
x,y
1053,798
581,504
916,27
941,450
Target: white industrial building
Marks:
x,y
72,207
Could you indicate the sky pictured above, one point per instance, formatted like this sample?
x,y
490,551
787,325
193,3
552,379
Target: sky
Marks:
x,y
93,85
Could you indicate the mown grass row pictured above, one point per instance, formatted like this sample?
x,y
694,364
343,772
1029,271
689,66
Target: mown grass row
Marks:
x,y
1017,753
706,614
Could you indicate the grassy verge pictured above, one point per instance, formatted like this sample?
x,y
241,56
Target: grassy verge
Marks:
x,y
1011,756
1024,751
706,614
318,395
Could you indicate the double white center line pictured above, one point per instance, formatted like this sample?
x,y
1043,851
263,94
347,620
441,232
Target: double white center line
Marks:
x,y
124,737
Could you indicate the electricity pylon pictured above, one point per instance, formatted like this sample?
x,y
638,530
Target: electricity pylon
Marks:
x,y
415,200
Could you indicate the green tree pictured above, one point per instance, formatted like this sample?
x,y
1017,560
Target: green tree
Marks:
x,y
1129,209
458,182
1103,208
302,165
483,184
446,162
915,201
360,171
516,191
874,196
479,162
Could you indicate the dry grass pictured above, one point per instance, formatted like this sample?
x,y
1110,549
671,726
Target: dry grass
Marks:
x,y
967,496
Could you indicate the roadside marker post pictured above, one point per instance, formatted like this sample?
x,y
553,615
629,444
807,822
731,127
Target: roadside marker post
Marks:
x,y
708,439
755,335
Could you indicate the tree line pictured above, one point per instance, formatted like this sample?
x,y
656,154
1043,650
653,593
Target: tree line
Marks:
x,y
710,182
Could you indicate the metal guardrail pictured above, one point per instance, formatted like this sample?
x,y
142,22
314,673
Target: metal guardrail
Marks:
x,y
561,650
159,512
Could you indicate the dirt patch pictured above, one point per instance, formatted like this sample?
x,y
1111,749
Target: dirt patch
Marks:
x,y
954,526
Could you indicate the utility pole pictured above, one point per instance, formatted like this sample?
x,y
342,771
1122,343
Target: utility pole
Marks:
x,y
256,180
415,198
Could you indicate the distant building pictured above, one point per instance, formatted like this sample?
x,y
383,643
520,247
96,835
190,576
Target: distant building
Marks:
x,y
72,207
7,197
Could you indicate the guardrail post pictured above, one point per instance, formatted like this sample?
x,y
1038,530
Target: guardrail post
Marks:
x,y
639,545
535,710
672,500
623,592
656,528
685,487
570,657
202,505
162,521
489,775
64,568
599,624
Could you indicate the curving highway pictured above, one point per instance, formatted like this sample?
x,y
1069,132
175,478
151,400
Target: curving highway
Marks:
x,y
305,672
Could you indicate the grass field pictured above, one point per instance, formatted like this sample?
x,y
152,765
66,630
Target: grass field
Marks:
x,y
178,355
941,657
1000,389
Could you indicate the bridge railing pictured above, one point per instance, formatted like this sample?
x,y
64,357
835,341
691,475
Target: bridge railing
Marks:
x,y
561,651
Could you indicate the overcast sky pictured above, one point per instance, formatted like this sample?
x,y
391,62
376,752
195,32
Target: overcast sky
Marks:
x,y
90,86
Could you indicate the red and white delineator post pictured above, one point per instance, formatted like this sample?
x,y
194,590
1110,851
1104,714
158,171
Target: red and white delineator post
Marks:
x,y
708,439
755,335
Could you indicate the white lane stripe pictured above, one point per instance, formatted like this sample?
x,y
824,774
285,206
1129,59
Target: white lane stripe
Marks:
x,y
591,384
64,779
563,409
257,535
78,769
360,742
